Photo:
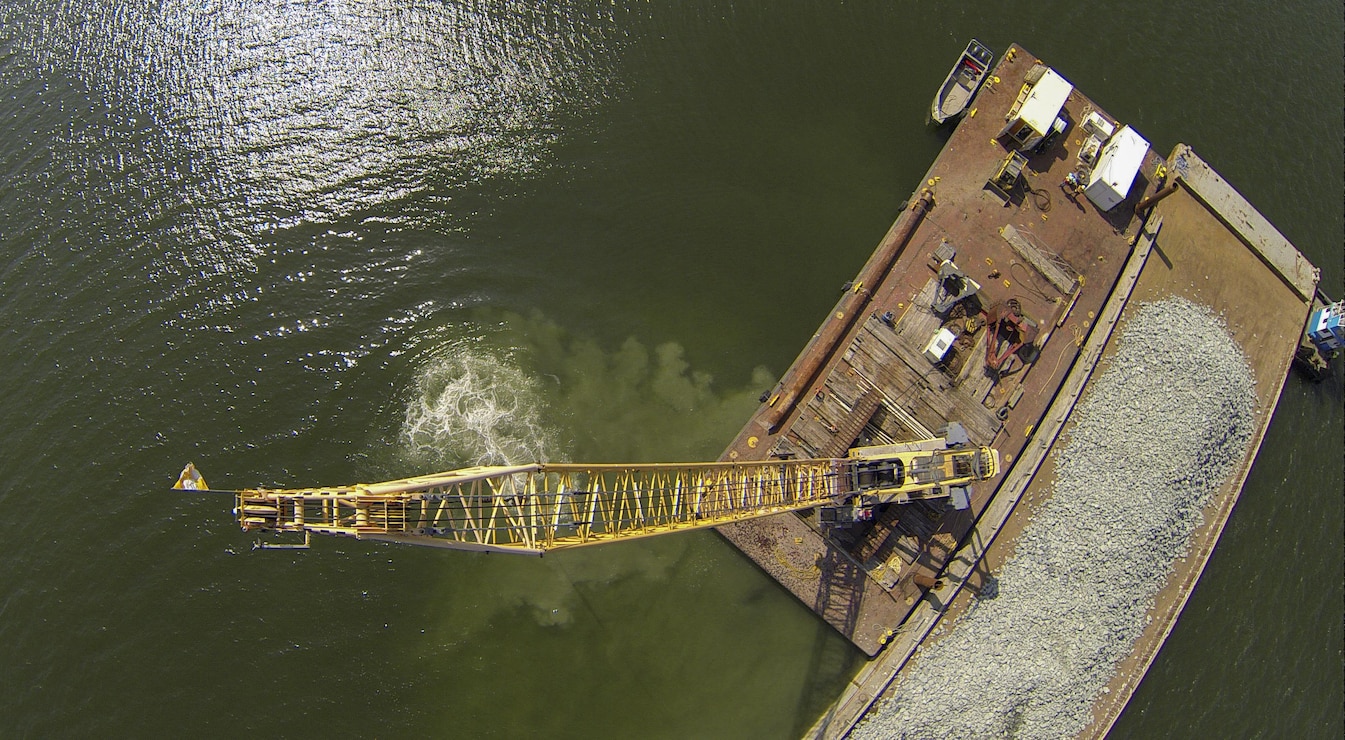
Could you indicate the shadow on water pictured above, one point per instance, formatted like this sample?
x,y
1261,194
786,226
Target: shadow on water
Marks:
x,y
831,663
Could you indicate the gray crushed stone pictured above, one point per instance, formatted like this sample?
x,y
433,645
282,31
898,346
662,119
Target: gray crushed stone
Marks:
x,y
1161,429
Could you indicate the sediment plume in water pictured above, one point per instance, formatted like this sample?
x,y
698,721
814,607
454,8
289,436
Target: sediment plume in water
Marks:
x,y
530,391
534,392
1162,428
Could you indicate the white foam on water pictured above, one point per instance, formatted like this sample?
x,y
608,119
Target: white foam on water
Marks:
x,y
472,405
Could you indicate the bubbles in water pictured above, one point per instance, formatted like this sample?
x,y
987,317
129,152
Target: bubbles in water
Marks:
x,y
553,396
474,406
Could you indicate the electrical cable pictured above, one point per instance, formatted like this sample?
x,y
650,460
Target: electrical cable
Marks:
x,y
1041,198
1030,283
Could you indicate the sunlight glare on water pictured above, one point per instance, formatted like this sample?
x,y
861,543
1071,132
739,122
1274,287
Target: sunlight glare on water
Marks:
x,y
240,120
309,111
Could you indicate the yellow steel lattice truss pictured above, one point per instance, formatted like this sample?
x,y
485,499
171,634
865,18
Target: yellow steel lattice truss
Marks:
x,y
541,507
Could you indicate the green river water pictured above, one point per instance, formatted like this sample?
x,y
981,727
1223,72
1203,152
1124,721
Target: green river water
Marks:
x,y
326,242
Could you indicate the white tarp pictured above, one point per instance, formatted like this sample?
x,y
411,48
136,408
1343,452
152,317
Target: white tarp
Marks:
x,y
1109,182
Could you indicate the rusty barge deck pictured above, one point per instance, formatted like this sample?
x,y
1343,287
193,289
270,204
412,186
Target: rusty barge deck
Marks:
x,y
1073,270
863,376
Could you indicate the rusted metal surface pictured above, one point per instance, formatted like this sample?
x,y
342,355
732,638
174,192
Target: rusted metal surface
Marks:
x,y
805,370
862,582
1197,255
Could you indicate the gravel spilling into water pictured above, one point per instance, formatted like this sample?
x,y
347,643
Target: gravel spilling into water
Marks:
x,y
1160,430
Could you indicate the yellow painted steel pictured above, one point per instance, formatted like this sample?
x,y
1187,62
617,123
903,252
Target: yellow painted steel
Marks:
x,y
922,474
191,480
541,507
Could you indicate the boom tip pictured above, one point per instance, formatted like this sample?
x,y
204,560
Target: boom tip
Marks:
x,y
190,480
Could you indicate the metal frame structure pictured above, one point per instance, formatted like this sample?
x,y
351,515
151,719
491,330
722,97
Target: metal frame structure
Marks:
x,y
539,507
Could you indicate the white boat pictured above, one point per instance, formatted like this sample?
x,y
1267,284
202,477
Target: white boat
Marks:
x,y
962,82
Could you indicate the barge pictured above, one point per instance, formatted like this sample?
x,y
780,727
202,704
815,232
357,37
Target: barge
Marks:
x,y
990,302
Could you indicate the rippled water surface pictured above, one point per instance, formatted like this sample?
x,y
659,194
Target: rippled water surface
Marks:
x,y
320,242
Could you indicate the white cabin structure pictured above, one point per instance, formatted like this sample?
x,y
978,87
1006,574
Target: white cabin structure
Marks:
x,y
1034,112
1109,182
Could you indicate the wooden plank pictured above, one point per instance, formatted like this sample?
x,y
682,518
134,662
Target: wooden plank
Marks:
x,y
850,427
916,394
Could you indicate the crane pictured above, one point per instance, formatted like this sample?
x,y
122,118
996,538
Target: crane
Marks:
x,y
538,507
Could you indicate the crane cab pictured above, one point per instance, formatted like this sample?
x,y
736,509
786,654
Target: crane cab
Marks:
x,y
940,467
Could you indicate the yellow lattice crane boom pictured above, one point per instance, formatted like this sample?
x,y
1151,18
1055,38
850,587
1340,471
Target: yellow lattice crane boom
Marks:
x,y
547,506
